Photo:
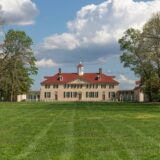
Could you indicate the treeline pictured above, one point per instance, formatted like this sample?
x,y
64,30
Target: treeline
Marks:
x,y
141,53
17,65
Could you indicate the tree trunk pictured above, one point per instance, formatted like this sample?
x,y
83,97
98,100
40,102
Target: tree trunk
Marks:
x,y
11,98
150,98
12,87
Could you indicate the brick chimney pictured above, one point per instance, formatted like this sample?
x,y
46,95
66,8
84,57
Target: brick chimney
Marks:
x,y
59,70
100,70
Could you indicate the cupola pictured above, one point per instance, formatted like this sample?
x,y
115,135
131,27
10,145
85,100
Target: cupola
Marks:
x,y
80,69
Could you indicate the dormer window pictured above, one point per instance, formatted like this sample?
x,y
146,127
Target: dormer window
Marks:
x,y
60,78
98,77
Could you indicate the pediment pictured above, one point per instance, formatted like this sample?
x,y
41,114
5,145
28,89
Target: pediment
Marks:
x,y
79,81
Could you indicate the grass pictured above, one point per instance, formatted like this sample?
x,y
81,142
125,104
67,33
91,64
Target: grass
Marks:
x,y
79,131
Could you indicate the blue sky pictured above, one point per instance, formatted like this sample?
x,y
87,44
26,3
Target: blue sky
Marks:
x,y
66,31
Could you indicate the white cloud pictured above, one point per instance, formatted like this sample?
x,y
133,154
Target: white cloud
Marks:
x,y
123,78
62,41
93,34
46,63
125,82
18,12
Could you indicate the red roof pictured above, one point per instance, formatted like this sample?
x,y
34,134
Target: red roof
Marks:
x,y
88,77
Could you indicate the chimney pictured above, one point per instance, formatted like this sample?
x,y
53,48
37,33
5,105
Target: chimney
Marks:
x,y
100,70
59,71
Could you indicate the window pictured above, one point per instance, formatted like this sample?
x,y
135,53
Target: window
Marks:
x,y
47,86
111,95
55,86
96,94
98,77
70,94
103,85
91,94
47,94
60,78
74,94
86,94
111,86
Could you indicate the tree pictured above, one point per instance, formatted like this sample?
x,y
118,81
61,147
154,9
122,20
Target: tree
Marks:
x,y
141,53
18,64
151,36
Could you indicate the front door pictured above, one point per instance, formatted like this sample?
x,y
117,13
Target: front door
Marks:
x,y
56,96
103,97
80,96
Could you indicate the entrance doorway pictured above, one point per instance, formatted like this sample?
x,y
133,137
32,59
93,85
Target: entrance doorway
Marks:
x,y
80,96
56,96
103,97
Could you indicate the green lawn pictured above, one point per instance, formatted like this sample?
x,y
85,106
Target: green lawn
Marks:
x,y
79,131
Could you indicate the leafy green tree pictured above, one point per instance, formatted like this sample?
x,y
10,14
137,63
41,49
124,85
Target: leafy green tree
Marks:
x,y
18,64
141,53
151,36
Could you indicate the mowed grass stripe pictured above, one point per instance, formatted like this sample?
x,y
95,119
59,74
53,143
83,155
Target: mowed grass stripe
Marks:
x,y
69,137
138,137
10,111
129,153
27,118
32,146
18,116
108,133
147,139
21,132
140,134
58,143
90,138
81,131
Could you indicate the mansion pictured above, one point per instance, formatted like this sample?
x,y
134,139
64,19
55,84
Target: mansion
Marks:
x,y
79,86
82,86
